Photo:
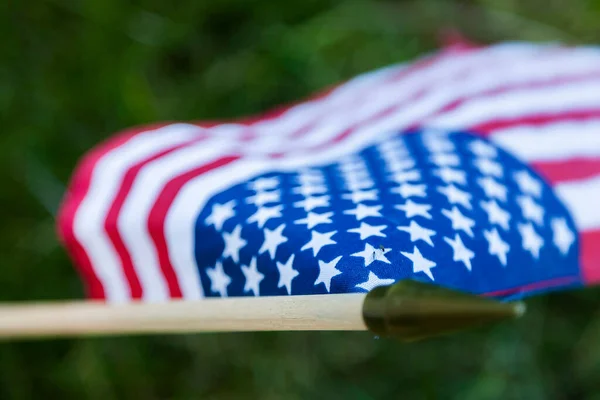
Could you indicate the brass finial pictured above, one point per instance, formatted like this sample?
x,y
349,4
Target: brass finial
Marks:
x,y
411,310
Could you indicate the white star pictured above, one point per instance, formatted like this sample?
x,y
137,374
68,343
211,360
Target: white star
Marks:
x,y
314,219
327,271
528,184
262,198
273,238
496,215
399,165
365,230
263,214
394,155
220,213
411,209
563,237
358,180
360,196
233,243
310,177
407,190
371,254
356,184
439,145
531,210
392,149
483,149
461,253
318,241
219,280
417,232
352,165
363,211
420,263
308,190
360,171
391,145
492,188
456,196
445,159
496,246
357,175
264,184
311,203
451,175
253,277
432,134
488,167
406,176
373,281
287,274
532,242
459,221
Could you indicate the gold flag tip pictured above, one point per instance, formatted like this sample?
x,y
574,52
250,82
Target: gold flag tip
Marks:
x,y
410,310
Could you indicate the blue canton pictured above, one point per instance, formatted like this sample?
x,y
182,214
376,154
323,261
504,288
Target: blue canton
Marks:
x,y
443,207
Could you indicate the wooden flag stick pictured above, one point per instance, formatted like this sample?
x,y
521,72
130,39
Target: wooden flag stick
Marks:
x,y
406,310
339,312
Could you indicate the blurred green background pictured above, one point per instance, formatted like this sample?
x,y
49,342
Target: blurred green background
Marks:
x,y
73,72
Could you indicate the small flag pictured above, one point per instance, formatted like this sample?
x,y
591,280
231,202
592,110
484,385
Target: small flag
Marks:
x,y
476,169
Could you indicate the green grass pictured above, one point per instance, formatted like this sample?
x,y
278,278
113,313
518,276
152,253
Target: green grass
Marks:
x,y
72,73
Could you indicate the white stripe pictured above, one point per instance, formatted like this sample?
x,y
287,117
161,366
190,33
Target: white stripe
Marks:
x,y
488,73
582,198
367,80
88,225
180,223
133,219
552,142
523,102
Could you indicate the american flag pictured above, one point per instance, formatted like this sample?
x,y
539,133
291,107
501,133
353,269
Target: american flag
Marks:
x,y
476,168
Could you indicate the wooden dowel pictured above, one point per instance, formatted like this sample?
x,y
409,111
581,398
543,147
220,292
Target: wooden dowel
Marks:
x,y
241,314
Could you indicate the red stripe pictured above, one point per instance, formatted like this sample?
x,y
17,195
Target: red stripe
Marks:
x,y
453,40
547,284
590,267
76,192
590,256
402,74
344,134
111,225
158,214
567,170
492,125
389,111
380,115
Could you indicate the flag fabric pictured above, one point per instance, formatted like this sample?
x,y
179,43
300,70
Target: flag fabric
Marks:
x,y
475,168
